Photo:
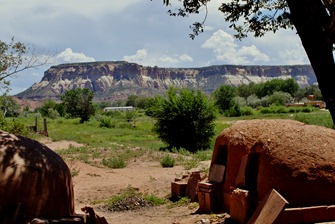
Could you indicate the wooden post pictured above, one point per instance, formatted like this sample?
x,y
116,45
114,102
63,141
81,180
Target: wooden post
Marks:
x,y
45,127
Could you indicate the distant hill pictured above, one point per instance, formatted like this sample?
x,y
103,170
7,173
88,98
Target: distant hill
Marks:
x,y
118,79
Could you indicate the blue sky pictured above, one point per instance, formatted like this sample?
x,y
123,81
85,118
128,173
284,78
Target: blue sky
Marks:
x,y
136,31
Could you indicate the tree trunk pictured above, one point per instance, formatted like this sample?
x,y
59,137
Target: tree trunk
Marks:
x,y
313,23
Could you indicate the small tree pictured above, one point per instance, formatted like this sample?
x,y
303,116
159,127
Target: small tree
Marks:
x,y
78,103
8,106
223,97
50,108
184,119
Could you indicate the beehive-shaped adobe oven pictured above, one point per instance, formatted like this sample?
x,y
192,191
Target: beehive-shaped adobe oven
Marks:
x,y
34,181
295,159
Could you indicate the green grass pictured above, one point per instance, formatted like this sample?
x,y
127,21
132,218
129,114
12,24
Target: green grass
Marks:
x,y
119,144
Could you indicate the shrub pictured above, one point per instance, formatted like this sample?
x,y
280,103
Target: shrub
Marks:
x,y
52,113
233,111
13,126
114,163
246,111
253,101
279,98
184,119
167,161
107,122
307,109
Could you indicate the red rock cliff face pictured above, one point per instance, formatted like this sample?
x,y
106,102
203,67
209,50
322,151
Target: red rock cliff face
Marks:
x,y
118,80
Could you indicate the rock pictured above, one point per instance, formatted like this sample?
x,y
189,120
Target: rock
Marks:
x,y
119,79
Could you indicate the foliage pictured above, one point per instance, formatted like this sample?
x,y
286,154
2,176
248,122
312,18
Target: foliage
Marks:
x,y
279,98
16,57
309,90
223,97
233,111
167,161
138,102
14,126
246,90
275,109
107,122
78,103
9,106
114,163
184,119
246,111
51,109
276,85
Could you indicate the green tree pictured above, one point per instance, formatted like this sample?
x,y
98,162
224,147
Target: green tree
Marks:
x,y
279,98
312,19
276,85
309,90
223,97
184,119
131,100
8,106
78,103
246,90
50,107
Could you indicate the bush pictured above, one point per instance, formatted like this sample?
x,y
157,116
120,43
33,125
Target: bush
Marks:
x,y
114,163
233,111
167,161
184,119
246,111
107,122
253,101
13,126
279,98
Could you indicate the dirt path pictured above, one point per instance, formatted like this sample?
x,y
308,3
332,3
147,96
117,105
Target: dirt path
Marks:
x,y
92,184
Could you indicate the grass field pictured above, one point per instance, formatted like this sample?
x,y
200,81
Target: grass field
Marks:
x,y
102,144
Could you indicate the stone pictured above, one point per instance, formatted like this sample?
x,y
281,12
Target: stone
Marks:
x,y
192,184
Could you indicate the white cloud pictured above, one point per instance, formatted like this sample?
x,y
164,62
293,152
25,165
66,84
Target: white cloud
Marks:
x,y
185,58
143,57
140,56
69,56
227,51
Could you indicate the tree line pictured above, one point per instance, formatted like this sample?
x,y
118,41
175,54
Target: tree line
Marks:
x,y
184,118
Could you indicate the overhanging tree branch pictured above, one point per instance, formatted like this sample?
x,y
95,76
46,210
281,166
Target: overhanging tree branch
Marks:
x,y
16,57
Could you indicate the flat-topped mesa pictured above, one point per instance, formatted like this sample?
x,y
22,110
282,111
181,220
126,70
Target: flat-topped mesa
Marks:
x,y
119,79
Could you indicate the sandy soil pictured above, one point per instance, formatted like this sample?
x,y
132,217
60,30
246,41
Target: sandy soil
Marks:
x,y
96,183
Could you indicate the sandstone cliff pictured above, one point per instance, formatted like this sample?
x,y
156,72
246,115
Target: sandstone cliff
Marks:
x,y
119,79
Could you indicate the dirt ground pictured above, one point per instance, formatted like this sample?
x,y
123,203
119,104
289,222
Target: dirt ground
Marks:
x,y
94,183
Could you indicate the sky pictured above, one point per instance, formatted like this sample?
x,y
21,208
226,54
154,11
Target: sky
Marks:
x,y
139,31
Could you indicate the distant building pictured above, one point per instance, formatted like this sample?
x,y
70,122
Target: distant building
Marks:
x,y
129,108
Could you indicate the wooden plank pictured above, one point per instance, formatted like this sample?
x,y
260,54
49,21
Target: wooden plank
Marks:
x,y
216,173
240,178
271,206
